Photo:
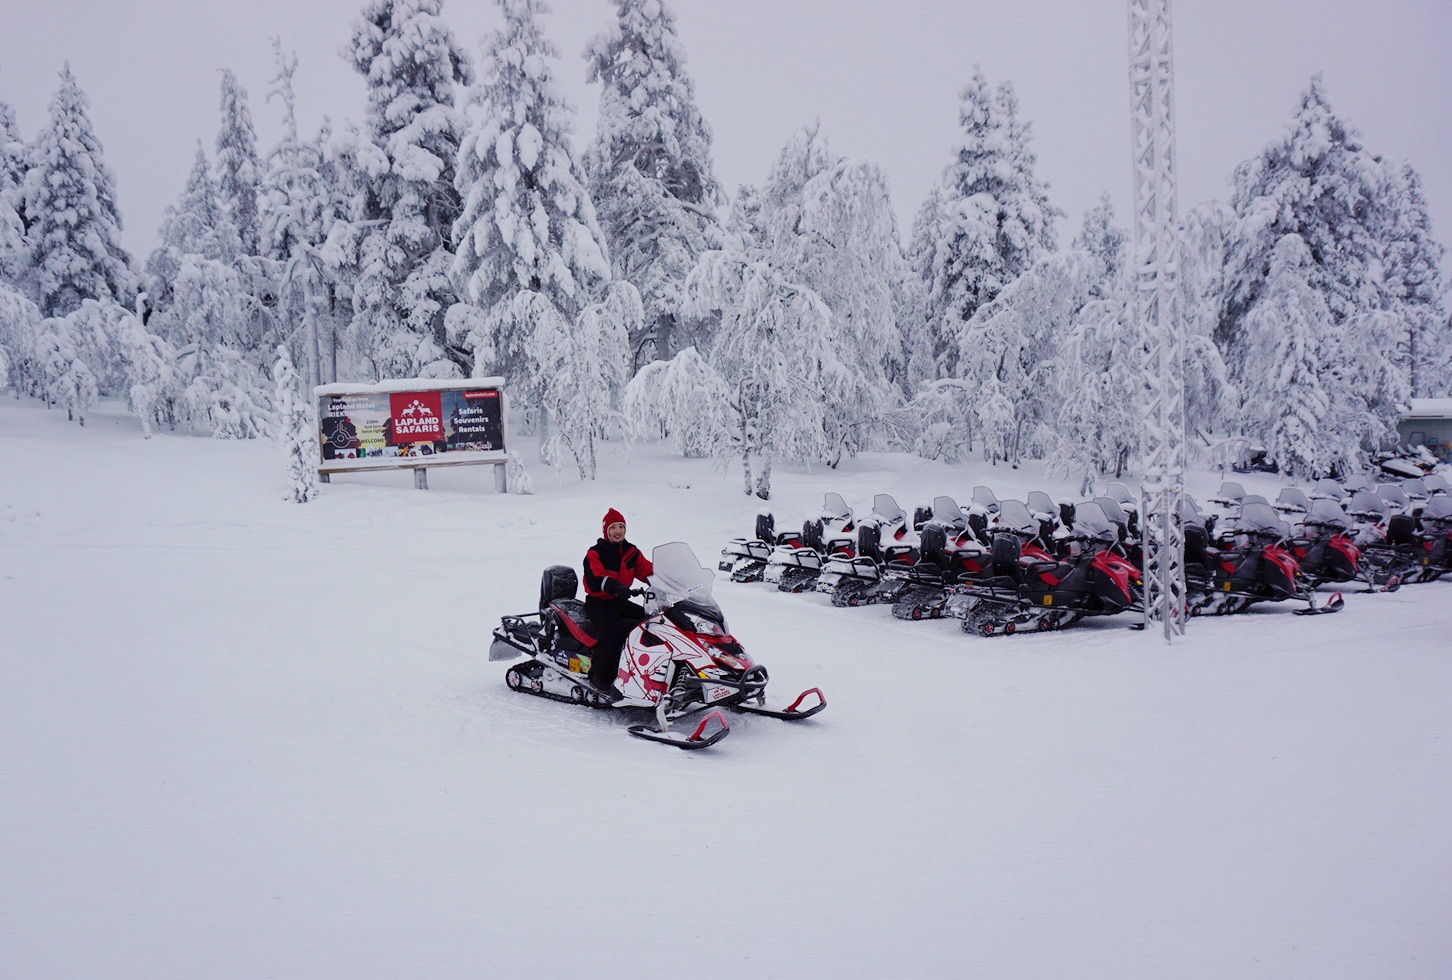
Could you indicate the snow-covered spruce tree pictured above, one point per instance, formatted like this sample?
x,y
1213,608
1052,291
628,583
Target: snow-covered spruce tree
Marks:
x,y
1287,408
1211,401
238,170
1014,340
20,324
14,262
993,216
70,203
1317,182
829,223
1417,290
528,227
398,243
296,433
682,399
649,165
198,225
584,365
771,348
66,379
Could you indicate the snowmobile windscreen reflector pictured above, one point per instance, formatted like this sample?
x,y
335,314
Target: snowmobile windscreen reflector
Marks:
x,y
1326,512
887,509
1439,508
1366,502
678,574
1089,521
1013,515
1261,518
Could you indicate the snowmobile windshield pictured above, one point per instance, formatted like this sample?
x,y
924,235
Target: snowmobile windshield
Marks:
x,y
887,509
1436,484
1261,519
1013,515
1367,502
1090,522
834,506
1439,508
1356,483
1329,488
1041,503
1190,511
678,575
985,498
1327,512
1119,492
1415,489
1392,494
1293,498
946,511
1230,491
1111,509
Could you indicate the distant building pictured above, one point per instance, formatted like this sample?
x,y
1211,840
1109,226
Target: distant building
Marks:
x,y
1428,423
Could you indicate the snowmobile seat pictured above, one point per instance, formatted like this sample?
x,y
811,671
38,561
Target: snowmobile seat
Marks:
x,y
1006,551
572,629
1196,542
557,582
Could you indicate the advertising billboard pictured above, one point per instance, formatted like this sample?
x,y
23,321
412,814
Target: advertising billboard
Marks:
x,y
410,423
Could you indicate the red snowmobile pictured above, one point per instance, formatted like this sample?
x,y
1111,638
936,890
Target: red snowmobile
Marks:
x,y
681,660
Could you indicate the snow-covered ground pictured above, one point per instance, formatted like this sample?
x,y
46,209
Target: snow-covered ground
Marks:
x,y
246,738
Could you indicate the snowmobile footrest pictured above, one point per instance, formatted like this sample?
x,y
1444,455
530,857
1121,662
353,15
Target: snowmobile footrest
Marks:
x,y
711,729
793,712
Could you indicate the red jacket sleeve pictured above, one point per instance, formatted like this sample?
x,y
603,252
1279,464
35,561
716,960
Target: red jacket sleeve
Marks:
x,y
643,568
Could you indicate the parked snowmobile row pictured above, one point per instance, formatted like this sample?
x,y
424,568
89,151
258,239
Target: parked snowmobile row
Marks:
x,y
681,660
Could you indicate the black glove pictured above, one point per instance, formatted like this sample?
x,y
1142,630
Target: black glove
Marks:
x,y
639,591
615,588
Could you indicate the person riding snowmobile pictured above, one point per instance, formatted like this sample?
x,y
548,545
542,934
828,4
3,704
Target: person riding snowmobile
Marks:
x,y
611,567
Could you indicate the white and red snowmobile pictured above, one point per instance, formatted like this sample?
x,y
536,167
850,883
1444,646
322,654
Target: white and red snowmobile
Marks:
x,y
746,558
681,660
952,551
887,547
1255,565
794,567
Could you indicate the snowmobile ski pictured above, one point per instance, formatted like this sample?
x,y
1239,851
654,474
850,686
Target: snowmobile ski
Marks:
x,y
1334,604
710,730
793,711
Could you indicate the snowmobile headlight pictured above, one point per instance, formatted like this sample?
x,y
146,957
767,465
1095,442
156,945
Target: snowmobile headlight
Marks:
x,y
705,626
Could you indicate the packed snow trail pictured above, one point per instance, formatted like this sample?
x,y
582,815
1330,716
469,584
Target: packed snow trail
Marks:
x,y
247,737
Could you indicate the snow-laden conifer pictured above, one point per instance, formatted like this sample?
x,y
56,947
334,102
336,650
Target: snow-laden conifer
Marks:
x,y
989,220
684,400
238,171
14,263
397,245
528,225
649,165
1285,332
70,204
1417,288
198,225
20,324
296,434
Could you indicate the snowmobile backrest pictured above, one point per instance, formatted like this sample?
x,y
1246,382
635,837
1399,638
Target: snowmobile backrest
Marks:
x,y
1328,488
1121,494
1196,541
947,512
869,540
979,525
1293,499
834,506
1006,551
986,498
886,510
557,582
1041,505
1066,515
766,528
1415,489
1401,530
1355,483
1013,515
921,516
933,546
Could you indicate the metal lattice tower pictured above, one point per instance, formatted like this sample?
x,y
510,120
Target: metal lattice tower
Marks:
x,y
1156,310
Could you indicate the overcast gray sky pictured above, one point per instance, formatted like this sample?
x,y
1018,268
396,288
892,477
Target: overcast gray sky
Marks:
x,y
882,77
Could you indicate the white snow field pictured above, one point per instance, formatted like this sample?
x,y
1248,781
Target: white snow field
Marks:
x,y
248,738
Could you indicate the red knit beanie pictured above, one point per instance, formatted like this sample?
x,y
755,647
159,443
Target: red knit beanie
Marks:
x,y
612,516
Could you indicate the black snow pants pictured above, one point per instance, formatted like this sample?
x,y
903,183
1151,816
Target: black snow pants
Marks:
x,y
612,620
